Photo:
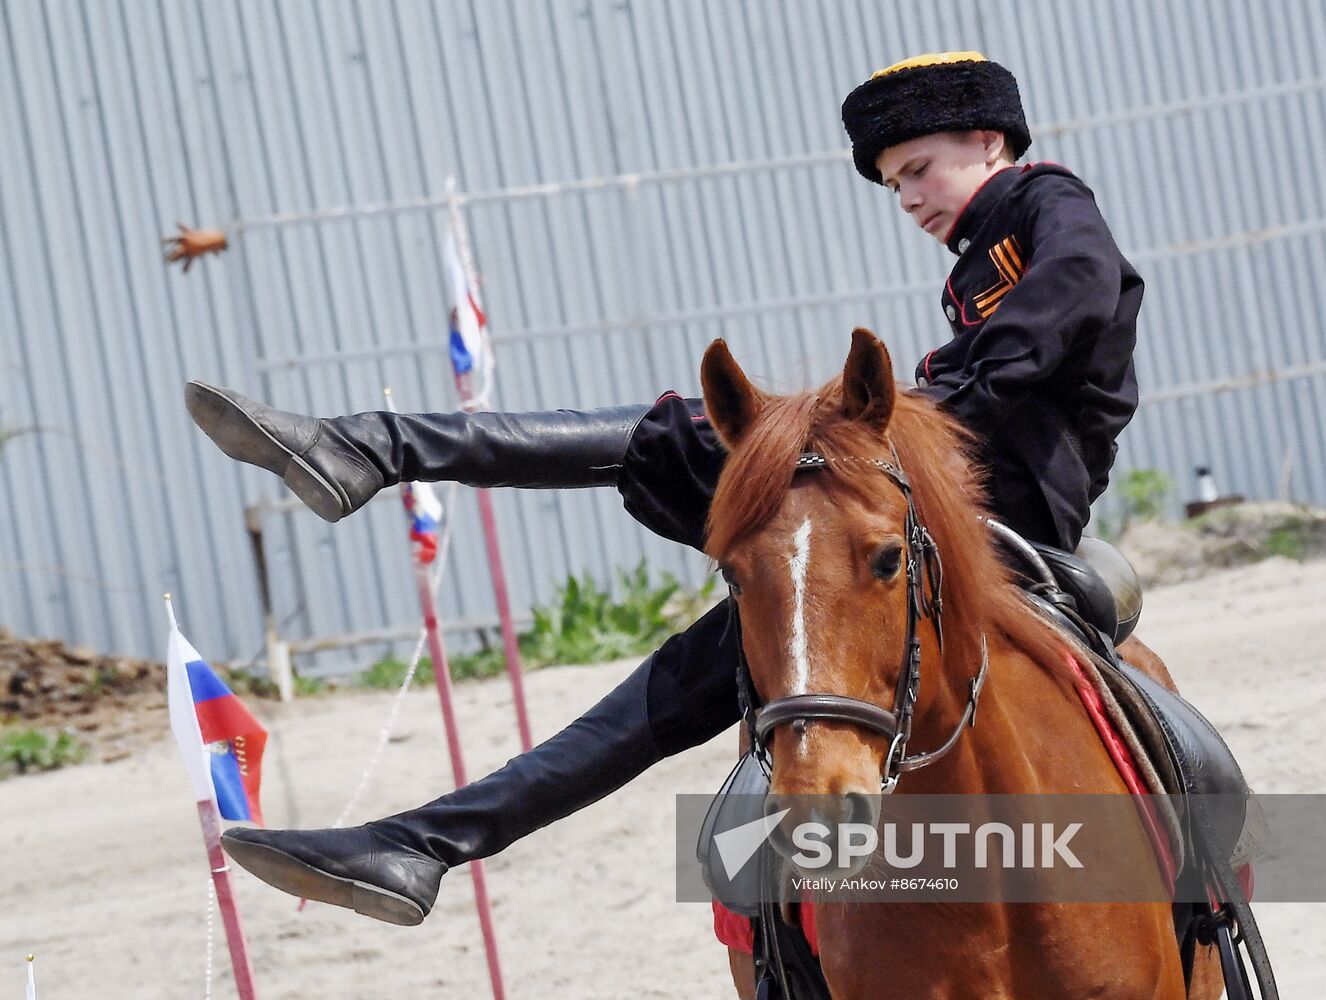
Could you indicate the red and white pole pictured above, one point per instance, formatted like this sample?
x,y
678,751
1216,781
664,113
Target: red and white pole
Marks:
x,y
442,675
510,647
210,820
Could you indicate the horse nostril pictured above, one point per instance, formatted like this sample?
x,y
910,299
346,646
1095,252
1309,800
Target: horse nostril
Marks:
x,y
861,808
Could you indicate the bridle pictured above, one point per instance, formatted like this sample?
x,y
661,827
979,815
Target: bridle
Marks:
x,y
925,577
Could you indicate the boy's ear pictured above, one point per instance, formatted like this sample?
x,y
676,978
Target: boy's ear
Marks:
x,y
996,146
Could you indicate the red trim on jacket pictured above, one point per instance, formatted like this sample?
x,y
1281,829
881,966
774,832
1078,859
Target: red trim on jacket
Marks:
x,y
962,308
958,218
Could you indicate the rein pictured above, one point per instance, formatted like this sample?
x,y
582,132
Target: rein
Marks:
x,y
925,577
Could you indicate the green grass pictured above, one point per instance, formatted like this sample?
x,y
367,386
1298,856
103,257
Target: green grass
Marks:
x,y
583,624
26,750
1287,541
1144,492
248,684
388,674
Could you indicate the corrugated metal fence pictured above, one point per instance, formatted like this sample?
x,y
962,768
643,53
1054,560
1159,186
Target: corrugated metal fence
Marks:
x,y
639,177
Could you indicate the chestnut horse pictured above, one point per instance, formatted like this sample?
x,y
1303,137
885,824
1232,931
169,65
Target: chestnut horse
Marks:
x,y
817,565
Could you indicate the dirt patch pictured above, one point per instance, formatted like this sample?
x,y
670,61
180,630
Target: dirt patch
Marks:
x,y
102,874
112,704
1166,552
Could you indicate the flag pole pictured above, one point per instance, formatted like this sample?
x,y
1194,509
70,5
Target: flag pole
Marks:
x,y
465,388
442,677
32,978
209,819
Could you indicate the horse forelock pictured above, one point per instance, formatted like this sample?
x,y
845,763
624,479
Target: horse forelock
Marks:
x,y
936,453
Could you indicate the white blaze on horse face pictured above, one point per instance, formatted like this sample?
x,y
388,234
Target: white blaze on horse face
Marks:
x,y
799,563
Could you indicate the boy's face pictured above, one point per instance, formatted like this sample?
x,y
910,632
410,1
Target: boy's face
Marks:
x,y
936,175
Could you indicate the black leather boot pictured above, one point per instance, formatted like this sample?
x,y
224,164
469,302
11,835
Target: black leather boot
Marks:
x,y
681,696
335,465
391,868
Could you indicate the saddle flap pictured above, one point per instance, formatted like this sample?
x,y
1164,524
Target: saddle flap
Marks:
x,y
1191,756
739,801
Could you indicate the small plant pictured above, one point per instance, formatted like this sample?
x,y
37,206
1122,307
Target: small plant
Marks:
x,y
248,684
388,674
102,678
25,750
1287,541
1144,492
583,624
307,686
488,662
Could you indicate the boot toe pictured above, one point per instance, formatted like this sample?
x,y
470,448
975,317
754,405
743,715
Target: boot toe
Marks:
x,y
251,432
351,868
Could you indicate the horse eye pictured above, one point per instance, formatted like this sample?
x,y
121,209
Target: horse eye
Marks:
x,y
887,562
730,578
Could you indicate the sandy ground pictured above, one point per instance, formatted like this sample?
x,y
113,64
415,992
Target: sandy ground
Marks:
x,y
102,872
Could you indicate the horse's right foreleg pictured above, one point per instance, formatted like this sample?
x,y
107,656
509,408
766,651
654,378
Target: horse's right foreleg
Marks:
x,y
743,973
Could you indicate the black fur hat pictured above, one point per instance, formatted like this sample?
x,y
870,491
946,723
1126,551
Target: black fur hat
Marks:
x,y
940,92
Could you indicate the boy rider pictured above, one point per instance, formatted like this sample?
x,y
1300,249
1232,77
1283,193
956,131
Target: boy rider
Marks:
x,y
1043,311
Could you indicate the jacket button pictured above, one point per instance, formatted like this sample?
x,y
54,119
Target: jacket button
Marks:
x,y
951,313
963,244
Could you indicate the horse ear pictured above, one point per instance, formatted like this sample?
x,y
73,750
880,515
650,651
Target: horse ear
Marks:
x,y
730,401
868,390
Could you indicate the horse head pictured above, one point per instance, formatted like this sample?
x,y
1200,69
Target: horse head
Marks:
x,y
816,534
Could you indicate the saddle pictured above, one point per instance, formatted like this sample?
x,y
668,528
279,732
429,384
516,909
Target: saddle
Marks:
x,y
1102,583
1095,583
1217,827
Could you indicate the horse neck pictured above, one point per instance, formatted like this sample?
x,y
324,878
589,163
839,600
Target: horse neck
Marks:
x,y
941,702
1031,732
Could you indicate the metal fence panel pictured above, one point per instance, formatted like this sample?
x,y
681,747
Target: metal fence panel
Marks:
x,y
129,116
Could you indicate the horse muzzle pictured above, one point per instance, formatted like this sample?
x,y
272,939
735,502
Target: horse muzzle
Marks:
x,y
825,834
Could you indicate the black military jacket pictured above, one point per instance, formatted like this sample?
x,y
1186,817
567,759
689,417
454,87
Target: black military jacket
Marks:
x,y
1043,309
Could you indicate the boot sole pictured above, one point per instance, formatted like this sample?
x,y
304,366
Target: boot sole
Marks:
x,y
289,874
242,438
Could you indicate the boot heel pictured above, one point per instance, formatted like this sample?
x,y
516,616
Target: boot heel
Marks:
x,y
320,496
372,901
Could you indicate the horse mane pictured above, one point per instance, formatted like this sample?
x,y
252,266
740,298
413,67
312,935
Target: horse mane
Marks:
x,y
937,454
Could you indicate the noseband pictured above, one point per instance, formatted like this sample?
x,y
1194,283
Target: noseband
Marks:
x,y
925,576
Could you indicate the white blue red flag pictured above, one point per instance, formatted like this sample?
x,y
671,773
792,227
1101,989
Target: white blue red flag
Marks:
x,y
425,513
467,318
220,740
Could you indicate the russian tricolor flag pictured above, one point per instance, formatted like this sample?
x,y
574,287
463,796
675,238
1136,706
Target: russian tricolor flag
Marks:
x,y
220,740
467,319
425,513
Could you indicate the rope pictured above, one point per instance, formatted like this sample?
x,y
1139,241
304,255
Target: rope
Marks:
x,y
211,907
384,734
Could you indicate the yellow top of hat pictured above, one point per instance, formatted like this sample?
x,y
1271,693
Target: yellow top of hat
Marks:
x,y
929,59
